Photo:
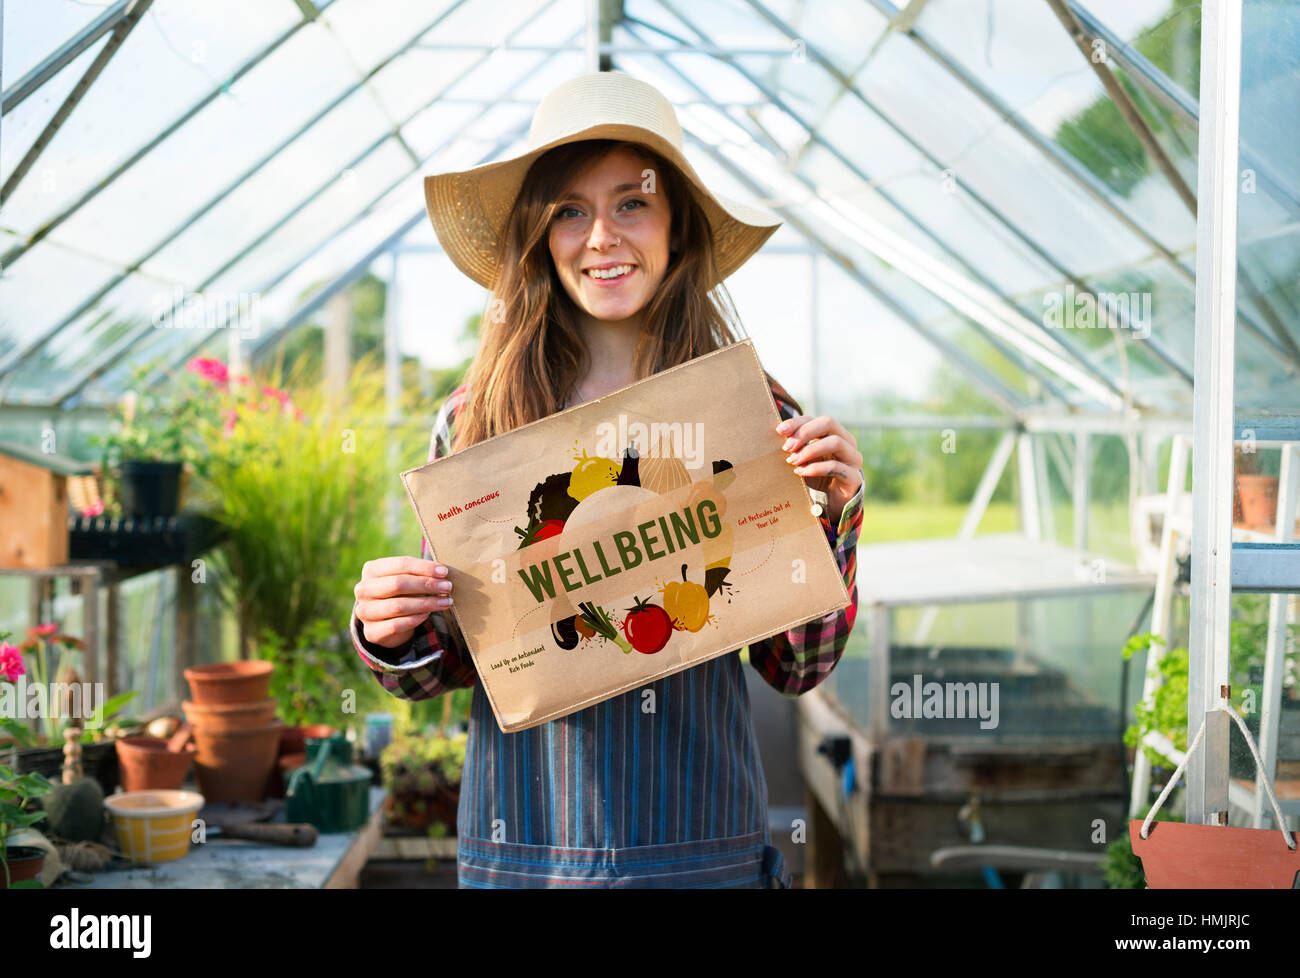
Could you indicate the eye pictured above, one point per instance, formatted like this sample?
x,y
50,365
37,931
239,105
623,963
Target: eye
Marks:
x,y
634,200
563,211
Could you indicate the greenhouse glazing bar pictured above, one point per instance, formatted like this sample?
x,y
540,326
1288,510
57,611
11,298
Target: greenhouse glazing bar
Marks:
x,y
1001,394
57,60
1173,98
21,355
1212,455
815,136
1071,168
16,252
1007,351
105,361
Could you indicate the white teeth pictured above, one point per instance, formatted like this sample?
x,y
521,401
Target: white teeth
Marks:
x,y
614,272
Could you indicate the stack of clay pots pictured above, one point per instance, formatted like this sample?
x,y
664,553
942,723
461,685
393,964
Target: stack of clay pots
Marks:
x,y
235,729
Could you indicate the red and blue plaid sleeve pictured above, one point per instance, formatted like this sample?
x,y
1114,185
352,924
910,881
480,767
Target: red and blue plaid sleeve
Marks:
x,y
436,659
797,660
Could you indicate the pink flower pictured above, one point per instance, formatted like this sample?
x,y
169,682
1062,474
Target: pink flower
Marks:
x,y
297,414
11,662
279,395
231,416
40,631
95,509
210,369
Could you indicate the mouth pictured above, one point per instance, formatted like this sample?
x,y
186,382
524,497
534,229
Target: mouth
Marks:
x,y
610,275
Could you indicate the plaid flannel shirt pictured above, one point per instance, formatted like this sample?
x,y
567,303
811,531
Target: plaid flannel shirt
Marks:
x,y
610,796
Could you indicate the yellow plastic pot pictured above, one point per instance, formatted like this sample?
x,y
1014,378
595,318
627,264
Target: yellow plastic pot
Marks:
x,y
154,826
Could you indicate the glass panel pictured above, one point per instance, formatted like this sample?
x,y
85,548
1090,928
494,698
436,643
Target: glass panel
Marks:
x,y
263,108
44,288
1019,50
35,29
24,123
1021,670
193,46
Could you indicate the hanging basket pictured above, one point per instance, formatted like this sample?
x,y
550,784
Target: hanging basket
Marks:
x,y
1176,855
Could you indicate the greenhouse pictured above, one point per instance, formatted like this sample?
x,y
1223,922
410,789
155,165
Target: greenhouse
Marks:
x,y
937,282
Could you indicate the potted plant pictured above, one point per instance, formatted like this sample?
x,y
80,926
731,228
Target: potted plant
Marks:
x,y
21,864
143,458
1255,483
54,655
422,775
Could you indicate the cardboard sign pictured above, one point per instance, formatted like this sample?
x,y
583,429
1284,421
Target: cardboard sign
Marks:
x,y
625,539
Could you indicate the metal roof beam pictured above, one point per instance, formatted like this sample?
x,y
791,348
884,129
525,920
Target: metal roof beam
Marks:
x,y
1124,104
1174,98
1057,155
106,359
121,29
1003,396
761,136
1066,370
20,355
61,57
16,252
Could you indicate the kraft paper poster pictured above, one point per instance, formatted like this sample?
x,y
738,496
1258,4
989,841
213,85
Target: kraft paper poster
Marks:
x,y
626,539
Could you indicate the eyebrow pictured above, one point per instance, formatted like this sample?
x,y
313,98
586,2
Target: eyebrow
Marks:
x,y
618,190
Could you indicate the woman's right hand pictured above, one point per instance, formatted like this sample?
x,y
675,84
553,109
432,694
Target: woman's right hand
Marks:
x,y
396,594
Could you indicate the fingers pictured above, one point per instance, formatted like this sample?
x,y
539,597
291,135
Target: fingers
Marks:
x,y
395,585
812,439
384,608
387,566
832,447
391,632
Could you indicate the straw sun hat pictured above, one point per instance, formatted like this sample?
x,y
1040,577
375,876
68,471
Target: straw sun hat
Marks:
x,y
469,207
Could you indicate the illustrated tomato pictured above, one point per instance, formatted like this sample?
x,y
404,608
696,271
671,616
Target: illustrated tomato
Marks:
x,y
539,531
647,626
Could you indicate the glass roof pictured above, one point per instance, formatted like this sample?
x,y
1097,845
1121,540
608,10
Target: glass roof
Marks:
x,y
947,178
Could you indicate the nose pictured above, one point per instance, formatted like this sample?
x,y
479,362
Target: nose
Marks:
x,y
602,235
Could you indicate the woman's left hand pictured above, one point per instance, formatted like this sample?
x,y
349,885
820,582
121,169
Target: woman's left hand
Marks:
x,y
822,447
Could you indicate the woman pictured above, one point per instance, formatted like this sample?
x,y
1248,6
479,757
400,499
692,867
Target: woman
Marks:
x,y
601,249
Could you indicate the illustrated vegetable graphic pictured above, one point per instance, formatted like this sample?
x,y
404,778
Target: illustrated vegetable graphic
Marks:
x,y
647,626
686,603
592,474
597,619
630,475
550,499
539,531
565,633
584,630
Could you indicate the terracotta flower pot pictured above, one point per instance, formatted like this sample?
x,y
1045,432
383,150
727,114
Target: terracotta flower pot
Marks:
x,y
145,763
245,681
1258,495
1176,855
233,765
220,717
25,863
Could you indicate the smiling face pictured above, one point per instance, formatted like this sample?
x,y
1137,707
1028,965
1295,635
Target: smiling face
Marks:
x,y
608,225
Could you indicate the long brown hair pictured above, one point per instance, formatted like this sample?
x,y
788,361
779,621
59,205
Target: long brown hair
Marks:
x,y
531,354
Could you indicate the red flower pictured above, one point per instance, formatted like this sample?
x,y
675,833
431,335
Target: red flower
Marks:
x,y
11,662
95,509
231,416
40,631
210,369
279,395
